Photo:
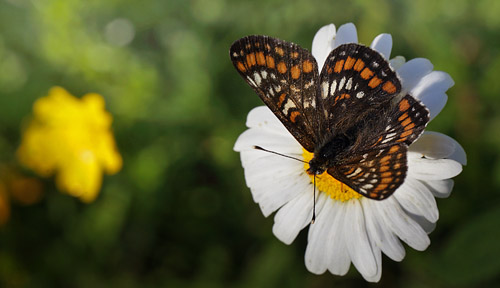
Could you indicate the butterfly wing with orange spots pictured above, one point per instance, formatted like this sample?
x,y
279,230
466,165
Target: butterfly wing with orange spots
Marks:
x,y
405,122
377,170
355,82
285,77
375,174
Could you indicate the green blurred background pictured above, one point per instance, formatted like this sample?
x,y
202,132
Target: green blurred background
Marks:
x,y
179,214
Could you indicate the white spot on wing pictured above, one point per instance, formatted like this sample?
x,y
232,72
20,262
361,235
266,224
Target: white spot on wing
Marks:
x,y
271,91
353,174
348,86
389,137
360,94
257,78
385,141
309,84
341,83
324,87
289,104
264,74
294,88
277,88
311,103
333,87
250,80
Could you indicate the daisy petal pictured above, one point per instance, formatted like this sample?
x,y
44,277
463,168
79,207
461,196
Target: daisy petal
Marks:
x,y
433,169
263,117
383,44
406,228
322,44
397,62
315,258
440,188
340,261
431,91
459,154
378,259
262,164
427,225
416,198
380,234
412,72
357,241
346,34
284,143
434,101
293,217
276,184
436,145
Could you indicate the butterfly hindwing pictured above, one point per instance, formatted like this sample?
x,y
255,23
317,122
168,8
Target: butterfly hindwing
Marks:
x,y
405,122
285,77
375,174
377,166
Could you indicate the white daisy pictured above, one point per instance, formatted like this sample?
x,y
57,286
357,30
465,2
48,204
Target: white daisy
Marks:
x,y
349,227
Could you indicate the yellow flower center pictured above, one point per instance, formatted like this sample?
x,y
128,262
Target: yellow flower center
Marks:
x,y
329,185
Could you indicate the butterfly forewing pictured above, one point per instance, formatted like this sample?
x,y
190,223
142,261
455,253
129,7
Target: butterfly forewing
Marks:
x,y
285,77
355,80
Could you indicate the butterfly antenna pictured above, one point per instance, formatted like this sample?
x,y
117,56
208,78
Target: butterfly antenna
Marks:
x,y
314,200
287,156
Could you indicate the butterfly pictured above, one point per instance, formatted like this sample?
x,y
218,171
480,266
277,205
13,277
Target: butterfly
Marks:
x,y
352,115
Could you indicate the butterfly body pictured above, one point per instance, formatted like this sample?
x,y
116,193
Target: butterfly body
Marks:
x,y
342,143
351,114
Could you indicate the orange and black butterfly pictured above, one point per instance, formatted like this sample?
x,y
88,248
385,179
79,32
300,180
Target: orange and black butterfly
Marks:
x,y
353,115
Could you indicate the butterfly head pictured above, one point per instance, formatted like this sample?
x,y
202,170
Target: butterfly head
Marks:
x,y
316,167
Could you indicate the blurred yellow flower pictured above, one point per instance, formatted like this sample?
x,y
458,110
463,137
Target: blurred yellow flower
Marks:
x,y
71,138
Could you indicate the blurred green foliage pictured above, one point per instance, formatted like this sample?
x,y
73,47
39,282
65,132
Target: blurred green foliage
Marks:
x,y
179,213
